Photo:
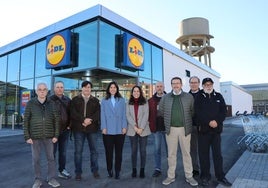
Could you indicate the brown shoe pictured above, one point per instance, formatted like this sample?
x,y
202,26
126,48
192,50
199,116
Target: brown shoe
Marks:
x,y
96,175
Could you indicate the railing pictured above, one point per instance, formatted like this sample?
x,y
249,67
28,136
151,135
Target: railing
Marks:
x,y
256,133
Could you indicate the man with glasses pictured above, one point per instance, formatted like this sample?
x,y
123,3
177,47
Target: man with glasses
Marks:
x,y
41,129
210,112
194,83
176,108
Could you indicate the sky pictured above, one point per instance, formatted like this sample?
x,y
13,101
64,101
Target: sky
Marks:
x,y
239,27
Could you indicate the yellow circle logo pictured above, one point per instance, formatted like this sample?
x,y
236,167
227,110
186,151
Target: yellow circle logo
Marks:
x,y
135,52
56,49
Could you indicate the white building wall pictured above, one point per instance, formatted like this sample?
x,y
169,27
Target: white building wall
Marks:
x,y
176,66
237,97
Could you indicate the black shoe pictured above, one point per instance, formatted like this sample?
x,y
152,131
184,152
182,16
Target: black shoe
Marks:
x,y
204,182
134,173
110,173
142,175
224,182
96,175
117,175
156,173
195,173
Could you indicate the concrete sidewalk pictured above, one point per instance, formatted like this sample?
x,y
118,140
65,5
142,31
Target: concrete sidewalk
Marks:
x,y
9,132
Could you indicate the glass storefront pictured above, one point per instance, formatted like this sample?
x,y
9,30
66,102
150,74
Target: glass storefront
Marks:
x,y
96,60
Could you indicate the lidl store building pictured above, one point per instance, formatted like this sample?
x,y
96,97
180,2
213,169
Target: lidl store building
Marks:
x,y
96,45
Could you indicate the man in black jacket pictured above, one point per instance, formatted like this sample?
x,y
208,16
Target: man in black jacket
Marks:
x,y
210,112
85,117
194,83
63,106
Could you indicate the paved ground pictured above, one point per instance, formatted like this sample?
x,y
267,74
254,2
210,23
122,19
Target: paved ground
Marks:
x,y
251,170
16,167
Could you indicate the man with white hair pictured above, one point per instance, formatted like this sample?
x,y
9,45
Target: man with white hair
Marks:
x,y
210,112
41,128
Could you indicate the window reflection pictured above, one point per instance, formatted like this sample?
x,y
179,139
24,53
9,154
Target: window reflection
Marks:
x,y
27,62
13,66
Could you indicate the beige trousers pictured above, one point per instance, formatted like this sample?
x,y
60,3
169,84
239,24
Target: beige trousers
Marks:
x,y
175,137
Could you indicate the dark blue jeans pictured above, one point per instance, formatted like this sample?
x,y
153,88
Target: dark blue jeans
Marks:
x,y
159,136
61,147
79,140
134,141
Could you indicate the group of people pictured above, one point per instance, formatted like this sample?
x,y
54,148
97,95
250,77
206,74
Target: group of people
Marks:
x,y
192,120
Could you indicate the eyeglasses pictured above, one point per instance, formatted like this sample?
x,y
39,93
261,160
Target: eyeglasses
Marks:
x,y
175,83
42,90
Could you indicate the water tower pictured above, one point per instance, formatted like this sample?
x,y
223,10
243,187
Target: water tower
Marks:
x,y
194,39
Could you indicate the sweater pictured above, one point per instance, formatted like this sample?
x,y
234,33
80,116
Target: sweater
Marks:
x,y
165,107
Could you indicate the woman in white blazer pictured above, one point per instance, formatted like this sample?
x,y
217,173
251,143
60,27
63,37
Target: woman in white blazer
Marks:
x,y
114,127
138,128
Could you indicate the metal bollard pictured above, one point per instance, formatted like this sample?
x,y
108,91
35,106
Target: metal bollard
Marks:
x,y
1,121
13,121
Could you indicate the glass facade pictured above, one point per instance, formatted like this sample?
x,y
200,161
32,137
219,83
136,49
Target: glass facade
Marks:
x,y
97,61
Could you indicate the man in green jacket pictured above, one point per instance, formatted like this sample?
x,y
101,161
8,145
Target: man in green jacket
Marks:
x,y
41,128
177,108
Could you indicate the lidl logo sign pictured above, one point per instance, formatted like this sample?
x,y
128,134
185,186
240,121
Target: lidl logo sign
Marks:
x,y
58,50
133,52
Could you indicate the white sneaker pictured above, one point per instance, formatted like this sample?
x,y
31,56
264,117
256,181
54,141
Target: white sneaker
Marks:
x,y
37,183
168,181
192,181
53,182
64,174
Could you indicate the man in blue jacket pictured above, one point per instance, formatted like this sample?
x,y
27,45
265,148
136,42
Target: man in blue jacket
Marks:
x,y
210,112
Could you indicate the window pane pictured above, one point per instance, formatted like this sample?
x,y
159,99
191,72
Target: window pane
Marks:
x,y
13,66
157,63
87,55
147,72
27,62
3,65
107,45
26,84
40,60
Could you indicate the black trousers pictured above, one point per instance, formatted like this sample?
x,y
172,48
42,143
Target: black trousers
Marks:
x,y
113,143
205,142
